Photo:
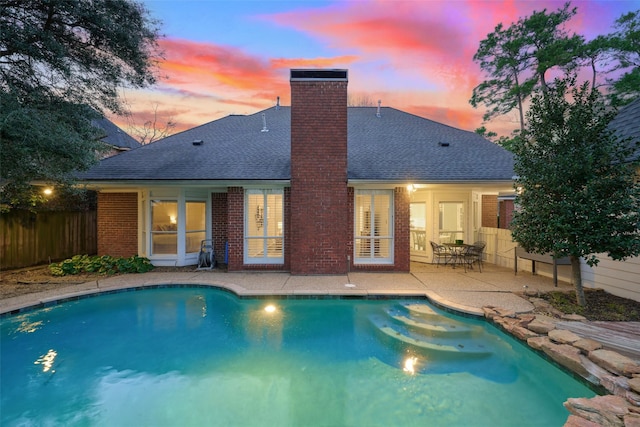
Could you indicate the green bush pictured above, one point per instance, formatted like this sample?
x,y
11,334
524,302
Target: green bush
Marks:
x,y
104,264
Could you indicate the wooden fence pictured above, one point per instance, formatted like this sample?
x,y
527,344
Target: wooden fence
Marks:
x,y
35,238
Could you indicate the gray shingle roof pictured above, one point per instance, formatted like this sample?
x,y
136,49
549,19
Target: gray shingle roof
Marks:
x,y
115,136
394,147
627,122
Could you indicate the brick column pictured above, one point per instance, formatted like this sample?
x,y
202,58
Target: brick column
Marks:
x,y
319,202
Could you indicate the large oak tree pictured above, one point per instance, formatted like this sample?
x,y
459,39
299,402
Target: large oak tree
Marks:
x,y
62,63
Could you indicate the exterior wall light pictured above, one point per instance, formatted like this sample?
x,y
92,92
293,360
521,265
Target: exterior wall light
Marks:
x,y
48,191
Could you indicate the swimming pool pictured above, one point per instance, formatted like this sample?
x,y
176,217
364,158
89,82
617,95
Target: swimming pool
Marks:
x,y
201,356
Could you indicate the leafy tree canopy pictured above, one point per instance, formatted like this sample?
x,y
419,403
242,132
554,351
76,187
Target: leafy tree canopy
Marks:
x,y
517,60
576,179
61,64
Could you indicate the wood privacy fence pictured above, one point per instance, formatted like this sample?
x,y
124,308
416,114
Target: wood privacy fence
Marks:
x,y
36,238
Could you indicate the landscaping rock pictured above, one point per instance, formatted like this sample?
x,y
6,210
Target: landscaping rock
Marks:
x,y
607,411
522,333
574,317
632,420
536,343
563,336
566,355
615,362
634,384
576,421
540,326
587,345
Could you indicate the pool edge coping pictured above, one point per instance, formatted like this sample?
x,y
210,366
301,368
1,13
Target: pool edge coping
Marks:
x,y
242,293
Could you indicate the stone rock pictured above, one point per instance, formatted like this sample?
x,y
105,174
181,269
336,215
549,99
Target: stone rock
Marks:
x,y
587,345
597,374
541,326
525,319
540,303
615,362
634,384
574,317
607,410
632,420
566,355
563,336
489,312
536,343
522,333
576,421
615,384
503,312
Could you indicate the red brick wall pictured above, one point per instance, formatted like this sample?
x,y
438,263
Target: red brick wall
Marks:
x,y
118,224
320,212
489,210
219,221
402,231
506,213
235,224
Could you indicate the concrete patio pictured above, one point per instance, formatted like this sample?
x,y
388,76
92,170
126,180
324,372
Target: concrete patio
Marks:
x,y
465,291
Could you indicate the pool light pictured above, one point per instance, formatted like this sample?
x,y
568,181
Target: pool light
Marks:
x,y
410,365
270,308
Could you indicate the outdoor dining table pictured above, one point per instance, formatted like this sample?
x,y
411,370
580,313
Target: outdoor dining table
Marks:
x,y
457,251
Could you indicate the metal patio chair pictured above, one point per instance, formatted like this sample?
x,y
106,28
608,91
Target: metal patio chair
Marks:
x,y
440,252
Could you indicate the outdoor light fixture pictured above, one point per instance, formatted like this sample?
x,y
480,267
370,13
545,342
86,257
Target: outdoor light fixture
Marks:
x,y
411,188
47,191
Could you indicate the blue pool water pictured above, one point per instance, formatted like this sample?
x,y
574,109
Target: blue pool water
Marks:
x,y
200,356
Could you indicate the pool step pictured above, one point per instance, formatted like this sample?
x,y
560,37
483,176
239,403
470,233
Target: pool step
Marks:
x,y
422,328
429,346
432,328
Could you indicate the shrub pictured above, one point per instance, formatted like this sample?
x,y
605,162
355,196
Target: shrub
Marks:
x,y
104,264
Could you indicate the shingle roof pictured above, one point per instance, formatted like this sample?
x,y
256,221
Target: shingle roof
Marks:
x,y
394,147
115,136
627,122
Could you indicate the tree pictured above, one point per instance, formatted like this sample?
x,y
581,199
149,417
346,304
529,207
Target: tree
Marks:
x,y
153,129
518,58
577,196
61,64
625,43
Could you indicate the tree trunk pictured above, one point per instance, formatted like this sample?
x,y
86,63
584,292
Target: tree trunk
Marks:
x,y
576,275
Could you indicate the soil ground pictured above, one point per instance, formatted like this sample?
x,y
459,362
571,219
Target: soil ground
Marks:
x,y
600,304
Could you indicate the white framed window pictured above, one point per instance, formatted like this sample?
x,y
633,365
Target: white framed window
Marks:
x,y
172,223
263,226
196,225
451,221
164,227
373,240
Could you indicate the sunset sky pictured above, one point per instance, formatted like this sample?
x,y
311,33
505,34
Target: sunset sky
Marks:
x,y
233,56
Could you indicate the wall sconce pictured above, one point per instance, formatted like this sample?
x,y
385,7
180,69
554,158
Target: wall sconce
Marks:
x,y
172,219
47,191
411,188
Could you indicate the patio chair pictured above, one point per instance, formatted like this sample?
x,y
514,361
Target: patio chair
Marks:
x,y
473,254
207,256
440,252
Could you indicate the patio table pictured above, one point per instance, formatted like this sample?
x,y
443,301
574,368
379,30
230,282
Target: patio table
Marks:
x,y
457,251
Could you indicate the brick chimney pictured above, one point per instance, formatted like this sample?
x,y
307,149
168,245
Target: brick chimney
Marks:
x,y
320,214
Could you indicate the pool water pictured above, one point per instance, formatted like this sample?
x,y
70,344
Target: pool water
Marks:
x,y
201,356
